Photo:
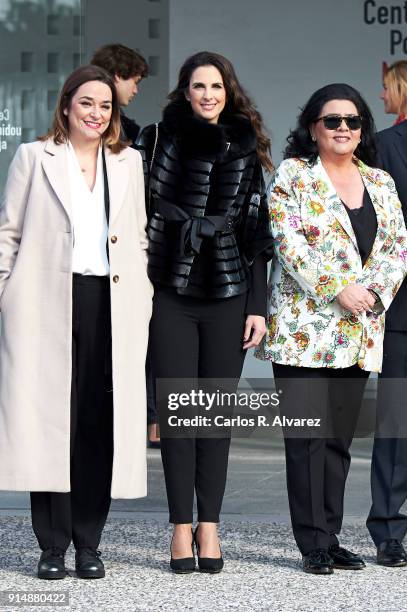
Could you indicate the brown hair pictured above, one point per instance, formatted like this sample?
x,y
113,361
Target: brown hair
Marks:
x,y
237,100
121,61
59,130
395,79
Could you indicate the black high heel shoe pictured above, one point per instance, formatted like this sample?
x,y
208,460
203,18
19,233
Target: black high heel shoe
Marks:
x,y
185,565
208,564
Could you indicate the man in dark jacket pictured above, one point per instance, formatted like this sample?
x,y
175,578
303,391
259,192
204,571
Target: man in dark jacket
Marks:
x,y
386,524
127,67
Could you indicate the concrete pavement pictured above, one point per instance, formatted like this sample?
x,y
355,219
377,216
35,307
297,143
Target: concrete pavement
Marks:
x,y
262,565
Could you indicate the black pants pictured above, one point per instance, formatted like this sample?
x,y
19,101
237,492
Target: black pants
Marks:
x,y
389,460
79,516
317,468
191,338
152,412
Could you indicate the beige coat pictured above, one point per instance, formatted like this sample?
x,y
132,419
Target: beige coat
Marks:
x,y
36,310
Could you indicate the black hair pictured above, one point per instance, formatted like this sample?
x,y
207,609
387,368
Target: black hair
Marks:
x,y
300,143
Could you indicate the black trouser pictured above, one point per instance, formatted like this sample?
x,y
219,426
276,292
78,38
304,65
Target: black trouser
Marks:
x,y
79,516
191,338
152,412
317,468
389,461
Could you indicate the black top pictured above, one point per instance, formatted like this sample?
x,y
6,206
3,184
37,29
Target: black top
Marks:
x,y
364,223
129,129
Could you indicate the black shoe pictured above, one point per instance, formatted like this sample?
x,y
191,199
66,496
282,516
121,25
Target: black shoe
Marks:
x,y
151,444
51,565
318,561
88,563
208,564
185,565
345,559
391,553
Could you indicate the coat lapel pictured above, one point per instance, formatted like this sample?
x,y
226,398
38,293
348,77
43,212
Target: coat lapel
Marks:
x,y
326,191
400,141
118,178
55,165
373,185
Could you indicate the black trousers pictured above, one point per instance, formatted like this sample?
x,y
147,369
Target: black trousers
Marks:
x,y
191,338
317,468
152,412
389,460
79,516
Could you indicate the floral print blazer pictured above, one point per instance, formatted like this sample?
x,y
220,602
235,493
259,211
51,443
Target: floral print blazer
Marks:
x,y
316,256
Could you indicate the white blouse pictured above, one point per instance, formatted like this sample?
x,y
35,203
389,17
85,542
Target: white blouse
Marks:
x,y
90,227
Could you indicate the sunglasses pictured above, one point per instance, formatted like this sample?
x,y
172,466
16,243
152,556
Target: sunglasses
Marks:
x,y
332,122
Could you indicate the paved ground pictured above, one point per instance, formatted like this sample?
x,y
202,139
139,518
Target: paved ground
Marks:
x,y
262,565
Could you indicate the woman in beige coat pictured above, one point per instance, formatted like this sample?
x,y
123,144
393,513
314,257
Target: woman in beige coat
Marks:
x,y
74,299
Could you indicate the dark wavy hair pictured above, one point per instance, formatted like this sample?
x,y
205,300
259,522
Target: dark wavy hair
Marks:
x,y
237,100
300,143
120,60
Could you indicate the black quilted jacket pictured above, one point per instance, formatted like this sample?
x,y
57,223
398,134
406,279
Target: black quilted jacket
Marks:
x,y
207,209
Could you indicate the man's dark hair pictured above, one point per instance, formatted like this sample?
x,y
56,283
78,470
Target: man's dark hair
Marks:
x,y
121,61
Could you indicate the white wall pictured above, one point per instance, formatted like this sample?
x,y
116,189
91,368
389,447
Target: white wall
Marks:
x,y
283,50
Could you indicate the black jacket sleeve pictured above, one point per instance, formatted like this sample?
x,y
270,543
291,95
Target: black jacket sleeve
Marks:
x,y
256,235
130,129
145,144
256,303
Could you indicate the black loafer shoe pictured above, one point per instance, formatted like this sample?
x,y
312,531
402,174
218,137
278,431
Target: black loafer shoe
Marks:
x,y
318,561
88,563
391,553
51,565
345,559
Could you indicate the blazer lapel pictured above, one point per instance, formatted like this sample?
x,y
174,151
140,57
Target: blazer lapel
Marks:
x,y
400,141
373,186
118,178
55,163
326,191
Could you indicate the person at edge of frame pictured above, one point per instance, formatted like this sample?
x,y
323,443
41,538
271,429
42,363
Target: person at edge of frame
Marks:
x,y
332,279
128,67
209,242
76,302
386,524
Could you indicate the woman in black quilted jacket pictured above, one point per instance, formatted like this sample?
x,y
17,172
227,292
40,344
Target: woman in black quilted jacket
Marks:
x,y
209,245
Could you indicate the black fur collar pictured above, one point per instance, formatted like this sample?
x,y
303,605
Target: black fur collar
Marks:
x,y
196,136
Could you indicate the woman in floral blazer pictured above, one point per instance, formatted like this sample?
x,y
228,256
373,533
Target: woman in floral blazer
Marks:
x,y
340,244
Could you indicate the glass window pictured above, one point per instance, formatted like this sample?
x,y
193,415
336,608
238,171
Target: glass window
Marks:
x,y
76,60
52,97
153,65
41,51
53,25
27,99
77,25
53,62
154,28
27,61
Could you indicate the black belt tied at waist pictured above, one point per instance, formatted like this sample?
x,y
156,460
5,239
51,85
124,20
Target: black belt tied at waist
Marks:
x,y
194,229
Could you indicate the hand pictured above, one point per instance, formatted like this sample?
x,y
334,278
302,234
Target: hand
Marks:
x,y
356,298
256,328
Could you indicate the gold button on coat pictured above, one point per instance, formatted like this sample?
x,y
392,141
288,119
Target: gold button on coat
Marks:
x,y
113,239
115,278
